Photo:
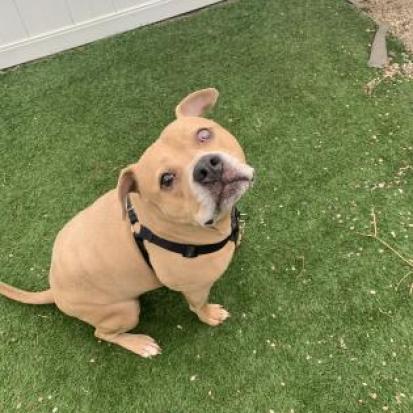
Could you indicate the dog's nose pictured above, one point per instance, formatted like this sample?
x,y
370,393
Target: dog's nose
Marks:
x,y
208,169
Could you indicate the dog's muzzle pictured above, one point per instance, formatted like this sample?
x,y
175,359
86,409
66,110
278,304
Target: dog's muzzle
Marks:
x,y
208,169
216,169
219,181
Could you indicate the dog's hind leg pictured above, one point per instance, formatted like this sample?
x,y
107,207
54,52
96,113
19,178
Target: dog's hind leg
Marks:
x,y
112,321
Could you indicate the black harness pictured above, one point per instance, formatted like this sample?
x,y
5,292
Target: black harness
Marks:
x,y
186,250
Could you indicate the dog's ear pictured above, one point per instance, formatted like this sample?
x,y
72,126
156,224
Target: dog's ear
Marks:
x,y
127,182
197,103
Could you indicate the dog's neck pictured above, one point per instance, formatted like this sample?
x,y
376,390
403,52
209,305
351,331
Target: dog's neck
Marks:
x,y
178,232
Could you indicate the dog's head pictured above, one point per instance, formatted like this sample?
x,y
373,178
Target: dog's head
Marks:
x,y
195,172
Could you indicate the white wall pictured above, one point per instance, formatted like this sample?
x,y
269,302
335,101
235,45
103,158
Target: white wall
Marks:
x,y
30,29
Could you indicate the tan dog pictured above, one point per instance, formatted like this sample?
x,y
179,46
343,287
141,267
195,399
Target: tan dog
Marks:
x,y
183,188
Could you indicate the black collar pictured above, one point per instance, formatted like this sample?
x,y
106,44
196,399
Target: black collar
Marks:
x,y
186,250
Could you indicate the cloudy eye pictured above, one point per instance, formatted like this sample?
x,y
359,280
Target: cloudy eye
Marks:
x,y
204,135
167,179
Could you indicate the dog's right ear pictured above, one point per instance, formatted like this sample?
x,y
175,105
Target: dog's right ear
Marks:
x,y
127,182
197,103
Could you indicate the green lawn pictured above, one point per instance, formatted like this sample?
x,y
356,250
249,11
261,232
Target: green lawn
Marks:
x,y
334,336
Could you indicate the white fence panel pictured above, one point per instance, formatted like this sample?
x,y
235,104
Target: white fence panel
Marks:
x,y
87,10
41,16
125,4
30,29
11,25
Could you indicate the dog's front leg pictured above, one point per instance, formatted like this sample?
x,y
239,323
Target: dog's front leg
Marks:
x,y
211,314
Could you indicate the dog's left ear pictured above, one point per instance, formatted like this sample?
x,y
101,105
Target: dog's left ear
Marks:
x,y
197,103
127,182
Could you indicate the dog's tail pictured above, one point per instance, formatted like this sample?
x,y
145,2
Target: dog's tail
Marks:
x,y
27,297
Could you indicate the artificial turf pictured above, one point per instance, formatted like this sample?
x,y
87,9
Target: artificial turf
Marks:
x,y
320,322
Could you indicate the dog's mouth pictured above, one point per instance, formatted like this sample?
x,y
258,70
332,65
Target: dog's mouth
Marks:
x,y
224,190
220,181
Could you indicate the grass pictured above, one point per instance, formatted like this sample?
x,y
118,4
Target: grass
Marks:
x,y
332,336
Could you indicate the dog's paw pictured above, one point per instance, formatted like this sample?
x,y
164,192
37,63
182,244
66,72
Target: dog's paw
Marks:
x,y
213,314
140,344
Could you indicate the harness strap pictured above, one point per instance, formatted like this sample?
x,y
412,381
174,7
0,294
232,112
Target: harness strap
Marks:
x,y
133,218
186,250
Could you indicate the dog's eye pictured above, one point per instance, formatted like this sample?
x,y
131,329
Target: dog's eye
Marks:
x,y
167,179
204,135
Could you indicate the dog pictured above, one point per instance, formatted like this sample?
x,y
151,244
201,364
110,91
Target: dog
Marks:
x,y
169,222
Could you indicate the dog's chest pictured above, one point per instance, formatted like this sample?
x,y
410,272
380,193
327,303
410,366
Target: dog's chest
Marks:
x,y
180,274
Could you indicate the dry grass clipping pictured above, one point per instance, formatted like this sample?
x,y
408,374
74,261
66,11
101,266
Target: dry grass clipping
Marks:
x,y
390,71
398,14
375,235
